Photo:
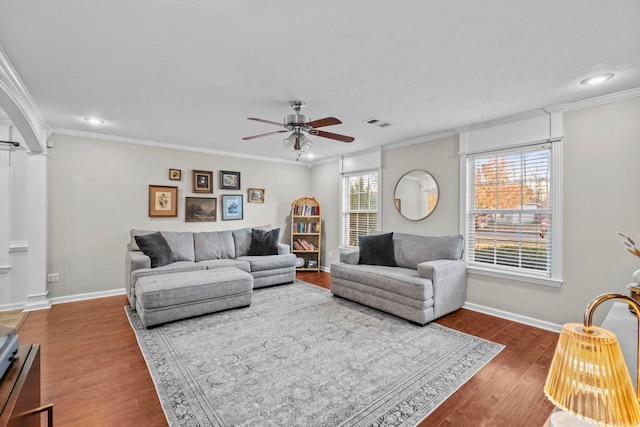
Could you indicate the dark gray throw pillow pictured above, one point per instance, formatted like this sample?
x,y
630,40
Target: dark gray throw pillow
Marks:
x,y
155,246
377,249
264,242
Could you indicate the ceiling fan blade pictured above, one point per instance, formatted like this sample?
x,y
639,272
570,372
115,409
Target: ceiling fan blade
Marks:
x,y
265,121
247,138
330,135
327,121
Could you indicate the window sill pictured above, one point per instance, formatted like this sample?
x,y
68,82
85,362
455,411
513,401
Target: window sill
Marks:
x,y
521,277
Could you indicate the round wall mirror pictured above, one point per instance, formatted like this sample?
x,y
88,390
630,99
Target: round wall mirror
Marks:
x,y
416,195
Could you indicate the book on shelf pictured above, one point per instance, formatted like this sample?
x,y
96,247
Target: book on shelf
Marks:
x,y
303,245
307,210
305,227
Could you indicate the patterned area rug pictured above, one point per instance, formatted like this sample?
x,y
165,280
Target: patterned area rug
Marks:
x,y
300,357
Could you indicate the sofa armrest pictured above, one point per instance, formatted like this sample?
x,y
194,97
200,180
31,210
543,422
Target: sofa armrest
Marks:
x,y
449,279
350,256
134,260
138,260
283,249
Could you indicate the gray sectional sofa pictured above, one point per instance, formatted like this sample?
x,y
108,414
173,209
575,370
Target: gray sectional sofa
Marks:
x,y
418,278
224,252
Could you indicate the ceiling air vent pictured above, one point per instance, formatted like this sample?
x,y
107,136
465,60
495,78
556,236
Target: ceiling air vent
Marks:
x,y
376,122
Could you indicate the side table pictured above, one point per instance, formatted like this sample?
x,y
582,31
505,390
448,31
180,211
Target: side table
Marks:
x,y
20,391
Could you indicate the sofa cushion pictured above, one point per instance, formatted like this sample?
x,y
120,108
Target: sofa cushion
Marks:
x,y
398,280
269,262
174,267
264,242
410,250
181,244
242,239
377,250
156,248
221,263
214,245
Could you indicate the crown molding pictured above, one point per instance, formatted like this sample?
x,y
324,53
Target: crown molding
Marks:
x,y
593,102
127,140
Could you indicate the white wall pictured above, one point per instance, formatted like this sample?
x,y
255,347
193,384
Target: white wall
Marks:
x,y
98,191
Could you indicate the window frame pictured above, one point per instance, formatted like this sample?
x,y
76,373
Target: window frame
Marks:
x,y
467,182
344,208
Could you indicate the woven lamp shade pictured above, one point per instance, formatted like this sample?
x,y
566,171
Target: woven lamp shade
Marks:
x,y
589,378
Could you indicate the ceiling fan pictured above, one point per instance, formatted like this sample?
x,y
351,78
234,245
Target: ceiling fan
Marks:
x,y
297,124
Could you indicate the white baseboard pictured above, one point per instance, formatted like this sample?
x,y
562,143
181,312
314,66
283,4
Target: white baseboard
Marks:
x,y
542,324
88,296
11,307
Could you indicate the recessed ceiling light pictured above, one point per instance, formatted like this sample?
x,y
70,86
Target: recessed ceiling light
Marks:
x,y
94,120
594,80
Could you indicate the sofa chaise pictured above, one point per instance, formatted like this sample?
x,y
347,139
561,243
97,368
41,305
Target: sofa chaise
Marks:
x,y
418,278
203,272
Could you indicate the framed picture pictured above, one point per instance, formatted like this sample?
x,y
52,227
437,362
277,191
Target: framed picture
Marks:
x,y
163,201
175,174
200,209
231,206
229,180
202,181
256,195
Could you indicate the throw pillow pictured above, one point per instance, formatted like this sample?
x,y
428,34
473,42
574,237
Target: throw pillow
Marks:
x,y
264,242
377,250
155,247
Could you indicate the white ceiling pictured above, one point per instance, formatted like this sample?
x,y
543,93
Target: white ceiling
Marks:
x,y
190,73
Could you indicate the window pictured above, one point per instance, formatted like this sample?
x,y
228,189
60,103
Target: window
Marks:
x,y
511,212
360,207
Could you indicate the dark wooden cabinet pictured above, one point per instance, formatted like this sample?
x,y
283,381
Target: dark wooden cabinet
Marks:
x,y
20,390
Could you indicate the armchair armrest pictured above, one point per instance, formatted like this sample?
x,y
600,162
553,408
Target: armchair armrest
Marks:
x,y
449,280
350,256
283,249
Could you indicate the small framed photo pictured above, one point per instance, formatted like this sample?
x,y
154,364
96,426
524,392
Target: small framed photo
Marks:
x,y
202,181
231,206
163,201
229,180
175,174
200,209
256,195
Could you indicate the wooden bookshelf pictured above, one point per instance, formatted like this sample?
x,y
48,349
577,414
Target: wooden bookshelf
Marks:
x,y
306,227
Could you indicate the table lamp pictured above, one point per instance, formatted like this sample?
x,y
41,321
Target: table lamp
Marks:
x,y
588,377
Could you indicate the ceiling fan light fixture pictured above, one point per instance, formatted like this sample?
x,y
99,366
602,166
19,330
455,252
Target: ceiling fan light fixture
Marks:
x,y
304,143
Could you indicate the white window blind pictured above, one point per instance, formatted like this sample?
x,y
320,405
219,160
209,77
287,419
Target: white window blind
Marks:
x,y
360,207
510,215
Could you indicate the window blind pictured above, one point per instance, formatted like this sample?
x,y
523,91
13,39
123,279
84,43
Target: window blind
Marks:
x,y
359,206
510,219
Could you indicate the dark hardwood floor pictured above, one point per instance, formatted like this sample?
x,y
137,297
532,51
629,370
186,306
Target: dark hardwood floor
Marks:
x,y
94,374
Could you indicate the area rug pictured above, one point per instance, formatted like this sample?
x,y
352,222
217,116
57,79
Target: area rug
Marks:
x,y
298,356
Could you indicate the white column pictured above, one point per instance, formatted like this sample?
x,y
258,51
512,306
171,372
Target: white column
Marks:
x,y
5,207
36,285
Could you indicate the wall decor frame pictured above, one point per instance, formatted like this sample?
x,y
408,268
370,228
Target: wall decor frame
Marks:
x,y
232,208
163,201
229,180
175,174
200,209
202,181
255,195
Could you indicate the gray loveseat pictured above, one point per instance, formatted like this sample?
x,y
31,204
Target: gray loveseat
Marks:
x,y
421,279
193,251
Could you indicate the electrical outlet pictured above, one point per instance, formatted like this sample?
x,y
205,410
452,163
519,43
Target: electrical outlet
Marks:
x,y
330,255
53,277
